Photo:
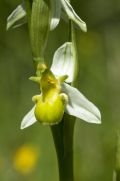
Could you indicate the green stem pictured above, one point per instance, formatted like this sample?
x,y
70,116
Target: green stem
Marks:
x,y
63,139
117,163
117,176
69,32
63,132
28,4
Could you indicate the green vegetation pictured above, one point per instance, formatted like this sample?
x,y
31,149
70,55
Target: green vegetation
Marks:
x,y
99,75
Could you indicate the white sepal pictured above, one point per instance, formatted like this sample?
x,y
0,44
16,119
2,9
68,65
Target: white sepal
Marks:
x,y
73,16
28,119
18,14
56,12
79,106
63,62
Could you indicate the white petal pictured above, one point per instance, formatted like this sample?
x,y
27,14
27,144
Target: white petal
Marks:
x,y
56,11
29,119
79,106
63,62
73,16
18,14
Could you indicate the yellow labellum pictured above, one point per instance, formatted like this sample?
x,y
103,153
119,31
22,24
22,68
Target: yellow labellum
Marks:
x,y
50,104
49,111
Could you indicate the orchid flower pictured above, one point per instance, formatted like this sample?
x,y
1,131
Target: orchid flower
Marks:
x,y
59,8
66,98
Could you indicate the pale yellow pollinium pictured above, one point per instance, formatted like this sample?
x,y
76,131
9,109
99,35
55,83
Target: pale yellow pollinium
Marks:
x,y
51,103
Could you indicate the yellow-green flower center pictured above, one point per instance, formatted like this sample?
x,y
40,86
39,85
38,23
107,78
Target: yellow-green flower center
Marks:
x,y
50,104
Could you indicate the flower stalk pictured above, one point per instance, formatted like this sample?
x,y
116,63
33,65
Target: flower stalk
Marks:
x,y
63,140
63,133
117,159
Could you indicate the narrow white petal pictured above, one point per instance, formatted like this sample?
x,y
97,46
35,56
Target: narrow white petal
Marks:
x,y
29,119
79,106
18,14
73,16
56,12
63,62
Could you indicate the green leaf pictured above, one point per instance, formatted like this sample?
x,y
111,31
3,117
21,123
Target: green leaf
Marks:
x,y
17,16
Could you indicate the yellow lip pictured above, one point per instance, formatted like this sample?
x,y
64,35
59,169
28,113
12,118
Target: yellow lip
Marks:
x,y
51,110
51,103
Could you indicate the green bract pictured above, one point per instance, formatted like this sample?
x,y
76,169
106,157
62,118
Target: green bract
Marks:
x,y
38,14
57,96
39,26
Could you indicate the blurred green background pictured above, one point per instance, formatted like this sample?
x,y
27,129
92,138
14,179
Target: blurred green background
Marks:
x,y
99,77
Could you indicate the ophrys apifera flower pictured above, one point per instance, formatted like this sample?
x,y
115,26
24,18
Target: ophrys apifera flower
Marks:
x,y
50,104
57,97
59,8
